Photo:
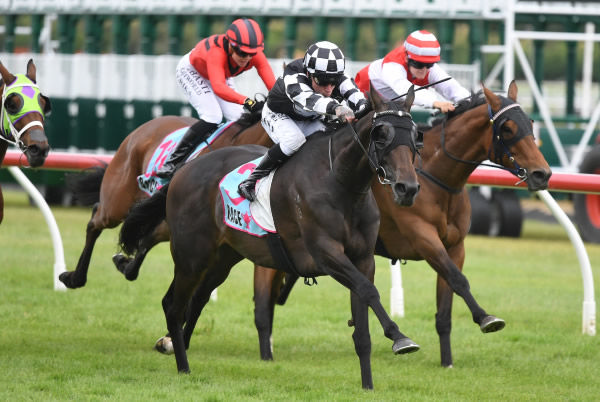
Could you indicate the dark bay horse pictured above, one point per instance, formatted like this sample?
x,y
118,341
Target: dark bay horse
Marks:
x,y
323,208
22,114
114,189
434,228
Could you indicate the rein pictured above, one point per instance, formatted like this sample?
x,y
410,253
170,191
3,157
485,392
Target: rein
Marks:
x,y
497,143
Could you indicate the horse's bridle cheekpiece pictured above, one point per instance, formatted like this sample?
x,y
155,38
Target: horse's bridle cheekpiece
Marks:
x,y
500,144
390,117
29,93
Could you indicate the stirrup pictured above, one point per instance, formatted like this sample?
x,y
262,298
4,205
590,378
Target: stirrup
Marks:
x,y
246,190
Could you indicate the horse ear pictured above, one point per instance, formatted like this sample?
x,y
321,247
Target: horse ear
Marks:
x,y
7,77
31,70
492,98
512,90
376,99
410,98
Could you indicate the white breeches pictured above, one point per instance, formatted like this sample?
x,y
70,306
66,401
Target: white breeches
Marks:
x,y
290,134
201,96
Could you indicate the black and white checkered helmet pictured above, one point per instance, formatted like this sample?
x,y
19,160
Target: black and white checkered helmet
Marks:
x,y
324,58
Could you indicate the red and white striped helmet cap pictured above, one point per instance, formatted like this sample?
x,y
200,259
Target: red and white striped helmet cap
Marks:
x,y
422,46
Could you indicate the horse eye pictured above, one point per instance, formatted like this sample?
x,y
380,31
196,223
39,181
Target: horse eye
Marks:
x,y
13,103
385,138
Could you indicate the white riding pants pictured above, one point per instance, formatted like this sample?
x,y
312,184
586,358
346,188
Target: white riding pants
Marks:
x,y
290,134
201,96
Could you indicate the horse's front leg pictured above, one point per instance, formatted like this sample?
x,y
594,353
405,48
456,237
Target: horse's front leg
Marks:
x,y
360,281
443,320
362,339
77,278
439,259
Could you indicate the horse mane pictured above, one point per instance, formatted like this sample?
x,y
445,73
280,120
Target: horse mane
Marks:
x,y
463,105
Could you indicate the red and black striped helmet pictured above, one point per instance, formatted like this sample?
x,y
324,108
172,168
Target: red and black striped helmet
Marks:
x,y
245,34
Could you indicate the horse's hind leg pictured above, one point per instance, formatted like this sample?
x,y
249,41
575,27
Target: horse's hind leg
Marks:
x,y
212,279
78,278
267,283
130,267
174,305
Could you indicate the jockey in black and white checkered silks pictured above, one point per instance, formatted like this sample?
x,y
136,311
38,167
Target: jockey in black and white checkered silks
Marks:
x,y
310,89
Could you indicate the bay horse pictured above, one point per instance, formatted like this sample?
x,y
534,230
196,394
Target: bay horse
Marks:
x,y
434,228
323,209
113,189
22,113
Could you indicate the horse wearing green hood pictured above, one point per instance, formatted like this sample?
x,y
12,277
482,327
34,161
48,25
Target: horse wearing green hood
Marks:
x,y
22,113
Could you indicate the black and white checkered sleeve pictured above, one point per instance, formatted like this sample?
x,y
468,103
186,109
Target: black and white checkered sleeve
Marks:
x,y
300,92
348,89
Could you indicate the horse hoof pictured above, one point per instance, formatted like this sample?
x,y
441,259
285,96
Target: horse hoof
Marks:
x,y
67,279
120,262
164,345
491,324
404,346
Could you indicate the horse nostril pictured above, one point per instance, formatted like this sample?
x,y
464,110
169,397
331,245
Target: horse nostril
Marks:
x,y
400,188
540,176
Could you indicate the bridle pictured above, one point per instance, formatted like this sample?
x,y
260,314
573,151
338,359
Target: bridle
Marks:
x,y
500,146
373,154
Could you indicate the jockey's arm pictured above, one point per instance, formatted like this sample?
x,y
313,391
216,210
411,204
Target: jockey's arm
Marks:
x,y
264,70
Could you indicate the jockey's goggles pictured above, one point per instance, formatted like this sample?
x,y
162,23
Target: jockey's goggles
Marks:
x,y
241,53
324,80
419,65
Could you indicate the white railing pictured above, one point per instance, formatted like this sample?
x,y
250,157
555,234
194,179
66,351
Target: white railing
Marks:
x,y
141,77
357,8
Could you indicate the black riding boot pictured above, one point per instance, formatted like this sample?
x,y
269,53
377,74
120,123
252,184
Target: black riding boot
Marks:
x,y
272,159
197,133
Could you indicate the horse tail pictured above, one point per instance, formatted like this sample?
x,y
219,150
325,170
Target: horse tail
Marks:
x,y
141,221
85,185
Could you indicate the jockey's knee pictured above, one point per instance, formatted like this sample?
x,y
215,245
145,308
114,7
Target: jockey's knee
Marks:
x,y
214,118
291,145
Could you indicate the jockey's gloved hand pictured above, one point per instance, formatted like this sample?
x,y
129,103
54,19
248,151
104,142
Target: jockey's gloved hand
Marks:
x,y
251,105
361,110
344,113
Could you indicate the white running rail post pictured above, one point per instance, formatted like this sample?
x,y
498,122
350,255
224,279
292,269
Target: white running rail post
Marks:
x,y
396,291
59,255
589,303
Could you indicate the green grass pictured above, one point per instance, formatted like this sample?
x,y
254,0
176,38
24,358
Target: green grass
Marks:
x,y
96,343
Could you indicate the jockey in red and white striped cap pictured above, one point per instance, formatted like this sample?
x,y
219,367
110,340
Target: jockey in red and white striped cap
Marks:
x,y
415,62
422,46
